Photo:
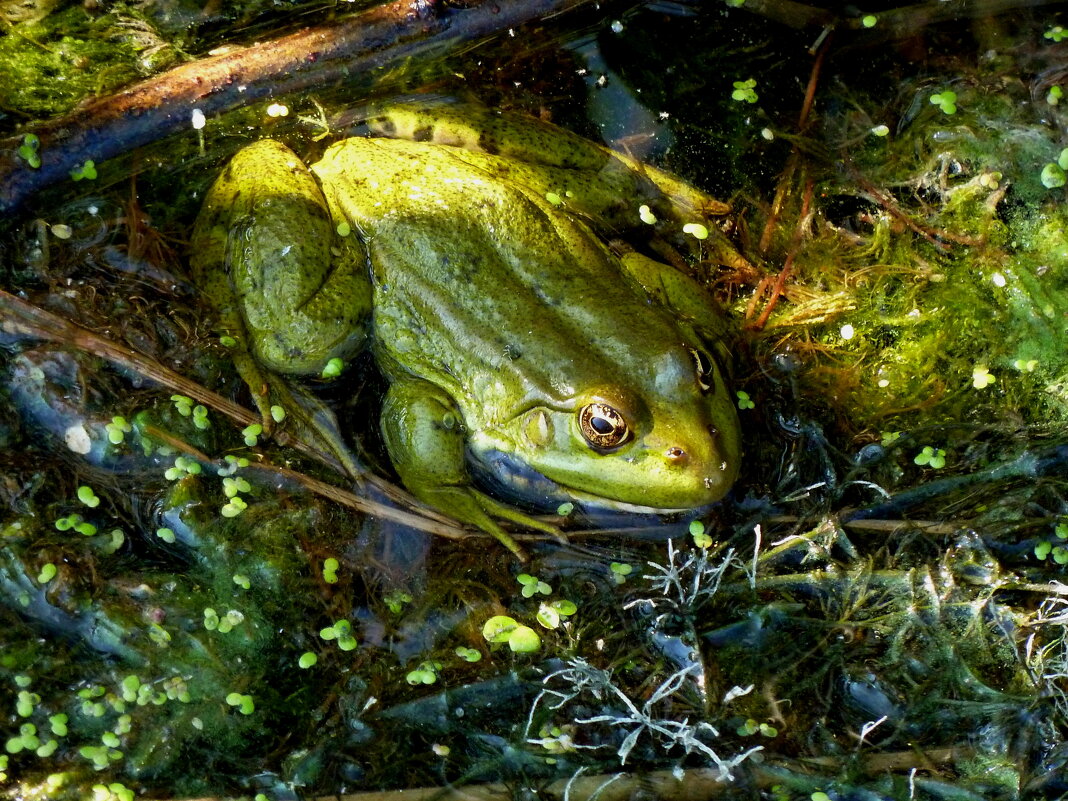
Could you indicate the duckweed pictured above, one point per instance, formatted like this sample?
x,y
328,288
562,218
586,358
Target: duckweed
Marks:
x,y
532,585
330,567
115,791
468,654
982,377
117,430
340,632
232,465
244,703
333,368
426,673
232,486
234,507
251,434
183,466
946,100
524,640
200,417
211,619
85,172
28,150
503,629
396,600
932,457
1053,176
26,703
550,615
27,740
696,230
48,748
620,571
88,497
745,91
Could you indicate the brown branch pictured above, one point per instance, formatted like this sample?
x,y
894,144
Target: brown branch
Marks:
x,y
21,318
938,238
382,36
788,264
322,489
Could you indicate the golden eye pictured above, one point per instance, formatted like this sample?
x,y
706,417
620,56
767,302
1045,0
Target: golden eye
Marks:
x,y
705,375
603,426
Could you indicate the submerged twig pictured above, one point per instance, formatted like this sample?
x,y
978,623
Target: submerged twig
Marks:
x,y
325,490
693,784
22,318
163,105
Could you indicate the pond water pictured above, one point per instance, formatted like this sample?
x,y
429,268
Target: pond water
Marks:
x,y
877,609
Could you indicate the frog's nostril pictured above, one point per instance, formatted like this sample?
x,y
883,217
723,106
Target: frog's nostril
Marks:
x,y
676,455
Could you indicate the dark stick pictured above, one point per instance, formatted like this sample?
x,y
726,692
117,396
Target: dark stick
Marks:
x,y
163,105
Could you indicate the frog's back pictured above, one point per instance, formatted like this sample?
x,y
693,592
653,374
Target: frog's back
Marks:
x,y
487,289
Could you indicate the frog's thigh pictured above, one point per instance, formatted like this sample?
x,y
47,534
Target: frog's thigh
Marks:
x,y
305,293
425,439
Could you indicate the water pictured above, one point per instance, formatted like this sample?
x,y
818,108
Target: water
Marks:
x,y
878,605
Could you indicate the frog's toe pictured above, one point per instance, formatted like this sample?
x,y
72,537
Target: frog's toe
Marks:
x,y
513,515
470,506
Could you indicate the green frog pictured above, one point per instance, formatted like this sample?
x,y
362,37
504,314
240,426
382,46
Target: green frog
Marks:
x,y
526,356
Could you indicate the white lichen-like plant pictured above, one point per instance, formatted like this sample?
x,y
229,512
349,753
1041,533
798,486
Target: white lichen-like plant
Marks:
x,y
1047,650
580,678
680,585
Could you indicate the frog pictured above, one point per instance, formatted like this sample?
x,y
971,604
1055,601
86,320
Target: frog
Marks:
x,y
532,358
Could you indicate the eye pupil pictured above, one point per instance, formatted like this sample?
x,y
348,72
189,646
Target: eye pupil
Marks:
x,y
603,426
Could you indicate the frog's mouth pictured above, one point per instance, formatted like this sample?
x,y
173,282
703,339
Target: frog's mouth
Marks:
x,y
512,480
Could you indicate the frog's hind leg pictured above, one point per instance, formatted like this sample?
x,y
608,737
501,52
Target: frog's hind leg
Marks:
x,y
291,290
425,438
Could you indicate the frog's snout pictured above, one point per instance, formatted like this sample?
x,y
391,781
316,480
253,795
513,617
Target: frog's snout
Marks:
x,y
694,470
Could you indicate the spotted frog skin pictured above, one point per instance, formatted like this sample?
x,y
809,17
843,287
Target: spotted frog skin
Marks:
x,y
469,252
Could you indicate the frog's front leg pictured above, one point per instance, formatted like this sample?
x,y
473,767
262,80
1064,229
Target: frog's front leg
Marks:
x,y
425,437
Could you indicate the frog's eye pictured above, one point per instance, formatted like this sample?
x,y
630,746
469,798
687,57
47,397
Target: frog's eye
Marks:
x,y
705,373
603,426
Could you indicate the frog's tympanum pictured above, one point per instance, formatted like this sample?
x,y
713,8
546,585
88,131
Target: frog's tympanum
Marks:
x,y
523,353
